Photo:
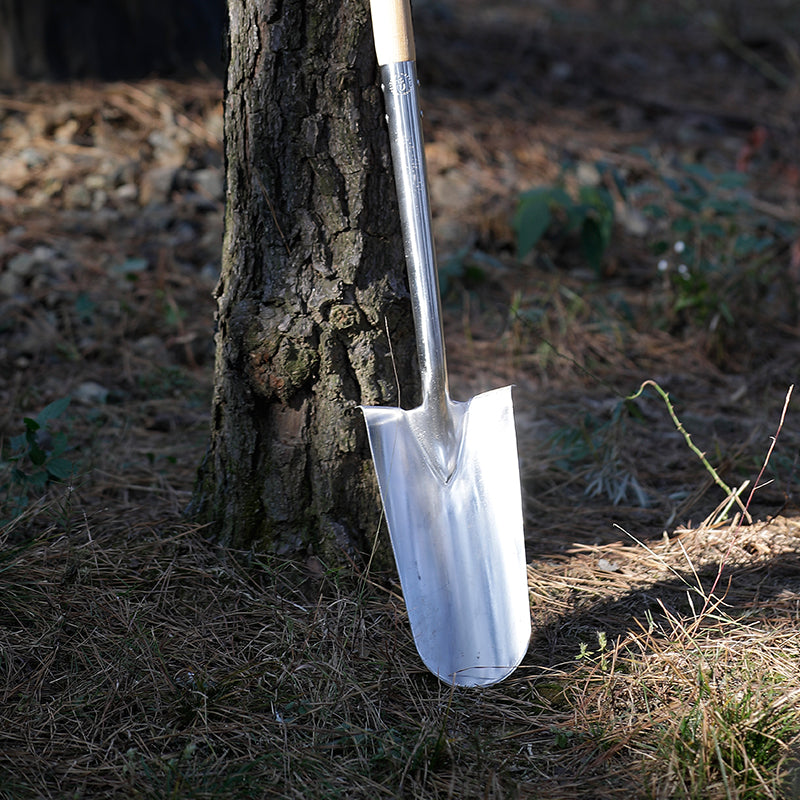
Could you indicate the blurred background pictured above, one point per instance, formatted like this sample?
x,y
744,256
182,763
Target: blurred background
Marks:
x,y
79,39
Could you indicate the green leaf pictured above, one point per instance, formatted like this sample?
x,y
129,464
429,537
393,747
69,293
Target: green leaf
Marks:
x,y
84,307
533,218
619,182
593,243
659,248
59,468
559,197
53,410
599,198
654,211
726,312
576,215
17,443
60,444
732,180
718,205
451,269
688,201
712,229
38,480
682,225
747,244
37,455
699,170
643,152
632,407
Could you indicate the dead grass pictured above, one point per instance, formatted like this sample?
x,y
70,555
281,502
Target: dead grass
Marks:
x,y
153,664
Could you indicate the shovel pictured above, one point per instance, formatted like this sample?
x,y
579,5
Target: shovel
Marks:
x,y
448,471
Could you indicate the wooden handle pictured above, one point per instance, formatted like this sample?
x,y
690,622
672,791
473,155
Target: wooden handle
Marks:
x,y
392,30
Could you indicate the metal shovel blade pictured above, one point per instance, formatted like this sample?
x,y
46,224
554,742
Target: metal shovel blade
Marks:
x,y
458,541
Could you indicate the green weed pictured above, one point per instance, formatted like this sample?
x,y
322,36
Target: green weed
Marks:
x,y
589,215
720,255
33,459
600,656
734,736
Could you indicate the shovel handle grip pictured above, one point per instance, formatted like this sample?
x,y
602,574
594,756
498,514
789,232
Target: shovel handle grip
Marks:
x,y
392,31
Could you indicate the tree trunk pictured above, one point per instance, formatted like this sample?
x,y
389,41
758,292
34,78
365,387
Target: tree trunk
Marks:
x,y
312,280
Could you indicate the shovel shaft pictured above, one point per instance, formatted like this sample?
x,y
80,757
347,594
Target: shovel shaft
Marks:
x,y
394,45
408,158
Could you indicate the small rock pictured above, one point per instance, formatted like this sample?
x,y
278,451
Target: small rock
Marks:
x,y
22,264
129,267
10,284
14,173
634,221
96,181
32,157
44,254
64,134
210,273
209,182
607,566
171,146
41,198
451,190
99,199
152,347
128,191
90,393
157,185
588,174
561,70
25,264
127,173
77,196
199,202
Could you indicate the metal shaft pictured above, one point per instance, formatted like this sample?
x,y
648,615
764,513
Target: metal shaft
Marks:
x,y
408,157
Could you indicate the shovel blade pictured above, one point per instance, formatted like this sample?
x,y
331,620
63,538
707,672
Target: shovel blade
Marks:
x,y
458,542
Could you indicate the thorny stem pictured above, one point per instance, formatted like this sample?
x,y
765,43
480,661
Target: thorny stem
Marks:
x,y
687,436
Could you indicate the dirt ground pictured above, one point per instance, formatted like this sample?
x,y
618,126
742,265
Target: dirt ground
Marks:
x,y
110,233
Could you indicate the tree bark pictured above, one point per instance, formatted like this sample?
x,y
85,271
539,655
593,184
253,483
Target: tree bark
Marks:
x,y
312,281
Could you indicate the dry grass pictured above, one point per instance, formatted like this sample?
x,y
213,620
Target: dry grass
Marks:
x,y
153,664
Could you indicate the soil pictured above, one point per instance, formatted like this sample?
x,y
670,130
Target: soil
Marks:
x,y
111,218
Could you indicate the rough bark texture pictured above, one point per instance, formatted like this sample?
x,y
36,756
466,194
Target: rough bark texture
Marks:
x,y
109,39
312,278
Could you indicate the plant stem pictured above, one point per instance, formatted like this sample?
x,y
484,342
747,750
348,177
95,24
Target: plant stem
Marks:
x,y
686,435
